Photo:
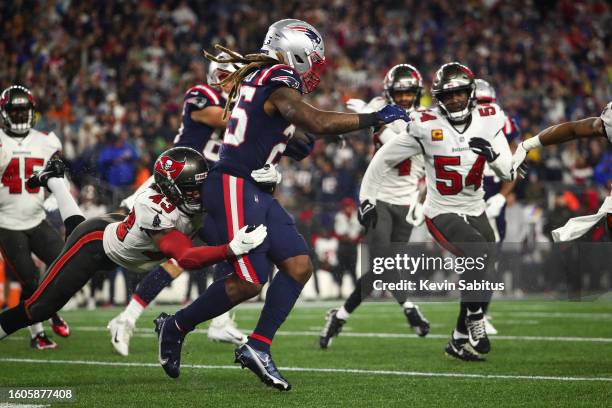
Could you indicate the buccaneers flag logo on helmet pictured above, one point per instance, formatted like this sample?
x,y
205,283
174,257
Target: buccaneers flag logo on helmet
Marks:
x,y
169,167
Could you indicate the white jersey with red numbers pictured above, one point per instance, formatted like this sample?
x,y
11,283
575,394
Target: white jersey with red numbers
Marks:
x,y
128,244
453,171
400,185
21,208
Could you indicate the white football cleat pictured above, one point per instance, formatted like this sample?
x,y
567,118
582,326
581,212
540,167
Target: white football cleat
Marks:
x,y
489,328
121,330
223,328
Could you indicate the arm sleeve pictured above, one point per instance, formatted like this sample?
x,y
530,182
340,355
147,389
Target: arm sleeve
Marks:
x,y
176,245
400,148
502,166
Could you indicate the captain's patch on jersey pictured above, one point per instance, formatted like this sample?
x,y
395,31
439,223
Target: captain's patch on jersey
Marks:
x,y
437,135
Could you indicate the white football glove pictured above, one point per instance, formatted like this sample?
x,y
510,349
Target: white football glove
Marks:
x,y
494,205
517,160
415,216
356,105
268,174
606,118
245,241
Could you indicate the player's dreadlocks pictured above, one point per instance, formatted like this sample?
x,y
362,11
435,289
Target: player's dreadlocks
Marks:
x,y
250,61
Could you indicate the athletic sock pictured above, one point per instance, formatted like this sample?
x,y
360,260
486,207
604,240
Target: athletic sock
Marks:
x,y
280,299
209,304
65,202
407,305
35,329
14,319
342,313
150,286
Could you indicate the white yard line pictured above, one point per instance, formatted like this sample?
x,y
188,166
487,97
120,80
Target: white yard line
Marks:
x,y
317,370
149,333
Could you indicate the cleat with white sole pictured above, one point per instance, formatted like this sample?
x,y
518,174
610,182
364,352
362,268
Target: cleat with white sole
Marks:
x,y
223,328
121,330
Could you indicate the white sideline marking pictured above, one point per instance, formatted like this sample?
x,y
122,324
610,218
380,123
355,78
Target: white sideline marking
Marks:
x,y
149,333
318,370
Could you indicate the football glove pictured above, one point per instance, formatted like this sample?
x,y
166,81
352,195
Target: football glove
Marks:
x,y
482,147
494,205
391,113
267,177
415,216
248,238
356,105
518,158
367,215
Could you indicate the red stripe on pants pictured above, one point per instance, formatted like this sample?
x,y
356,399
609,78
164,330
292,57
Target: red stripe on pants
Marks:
x,y
441,239
61,261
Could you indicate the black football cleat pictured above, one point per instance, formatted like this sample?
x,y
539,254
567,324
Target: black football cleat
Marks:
x,y
462,350
332,328
59,326
55,167
262,365
170,343
417,320
42,342
477,332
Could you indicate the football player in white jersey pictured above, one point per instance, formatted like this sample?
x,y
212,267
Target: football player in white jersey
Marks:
x,y
23,226
397,194
156,230
456,139
593,127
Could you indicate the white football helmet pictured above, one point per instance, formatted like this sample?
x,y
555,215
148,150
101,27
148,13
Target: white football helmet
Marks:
x,y
217,72
301,46
485,93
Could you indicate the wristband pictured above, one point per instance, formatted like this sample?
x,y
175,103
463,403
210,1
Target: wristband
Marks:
x,y
367,120
532,143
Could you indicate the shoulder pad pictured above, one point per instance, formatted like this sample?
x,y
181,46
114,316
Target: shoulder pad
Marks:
x,y
278,75
203,95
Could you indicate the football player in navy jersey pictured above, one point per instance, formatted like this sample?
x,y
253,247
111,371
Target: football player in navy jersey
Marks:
x,y
201,126
268,106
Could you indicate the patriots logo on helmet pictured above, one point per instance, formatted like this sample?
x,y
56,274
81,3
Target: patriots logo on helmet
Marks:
x,y
168,167
288,80
309,33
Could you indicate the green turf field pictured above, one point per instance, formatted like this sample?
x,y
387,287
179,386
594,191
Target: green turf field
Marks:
x,y
547,353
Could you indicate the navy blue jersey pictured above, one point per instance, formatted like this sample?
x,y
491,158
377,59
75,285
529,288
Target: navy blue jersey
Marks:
x,y
198,136
253,138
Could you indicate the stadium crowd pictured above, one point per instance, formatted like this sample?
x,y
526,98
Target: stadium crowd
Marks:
x,y
108,78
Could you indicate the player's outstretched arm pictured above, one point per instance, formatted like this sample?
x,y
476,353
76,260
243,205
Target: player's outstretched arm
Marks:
x,y
561,133
176,245
288,102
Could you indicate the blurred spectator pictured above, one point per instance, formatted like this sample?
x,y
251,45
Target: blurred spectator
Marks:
x,y
348,231
117,160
